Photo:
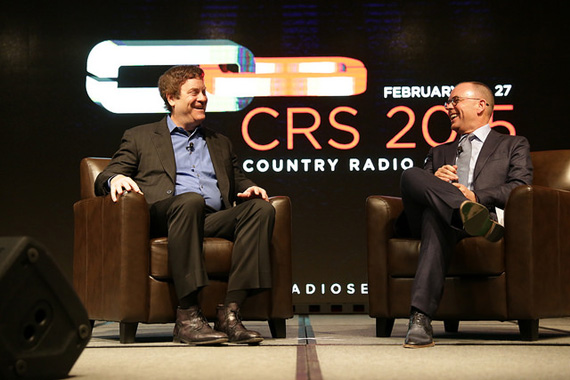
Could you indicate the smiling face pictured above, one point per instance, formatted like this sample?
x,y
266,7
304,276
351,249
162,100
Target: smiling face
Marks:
x,y
470,108
189,108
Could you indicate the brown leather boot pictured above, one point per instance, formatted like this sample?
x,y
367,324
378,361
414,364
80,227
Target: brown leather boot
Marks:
x,y
229,322
192,327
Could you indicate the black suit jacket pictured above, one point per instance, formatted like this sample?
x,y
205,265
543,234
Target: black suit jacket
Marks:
x,y
503,164
146,155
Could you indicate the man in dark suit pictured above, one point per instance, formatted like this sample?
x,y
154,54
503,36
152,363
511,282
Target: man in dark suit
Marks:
x,y
455,196
191,180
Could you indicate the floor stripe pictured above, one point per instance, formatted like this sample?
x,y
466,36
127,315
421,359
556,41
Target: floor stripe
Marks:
x,y
308,367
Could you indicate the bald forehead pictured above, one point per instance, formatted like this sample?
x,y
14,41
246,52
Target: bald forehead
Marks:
x,y
465,89
474,89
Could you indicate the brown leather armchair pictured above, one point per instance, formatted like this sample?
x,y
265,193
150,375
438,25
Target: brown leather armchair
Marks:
x,y
522,277
122,275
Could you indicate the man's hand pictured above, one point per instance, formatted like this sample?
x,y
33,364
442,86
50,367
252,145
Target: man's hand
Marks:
x,y
466,192
121,184
447,173
254,192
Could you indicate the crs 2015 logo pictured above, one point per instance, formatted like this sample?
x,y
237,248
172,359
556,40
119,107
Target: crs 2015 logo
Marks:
x,y
228,90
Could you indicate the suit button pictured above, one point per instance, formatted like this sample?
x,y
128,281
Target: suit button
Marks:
x,y
168,192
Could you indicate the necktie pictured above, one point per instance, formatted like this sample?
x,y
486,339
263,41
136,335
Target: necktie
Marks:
x,y
463,159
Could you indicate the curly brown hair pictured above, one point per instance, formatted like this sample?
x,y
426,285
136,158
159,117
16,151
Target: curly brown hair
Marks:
x,y
170,82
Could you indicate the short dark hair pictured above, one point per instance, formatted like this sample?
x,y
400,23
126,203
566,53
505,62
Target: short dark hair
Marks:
x,y
170,82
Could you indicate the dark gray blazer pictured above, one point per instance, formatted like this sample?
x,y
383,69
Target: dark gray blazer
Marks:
x,y
503,164
146,155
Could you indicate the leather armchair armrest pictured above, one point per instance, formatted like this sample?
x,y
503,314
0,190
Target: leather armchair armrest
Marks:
x,y
111,256
381,214
281,260
537,252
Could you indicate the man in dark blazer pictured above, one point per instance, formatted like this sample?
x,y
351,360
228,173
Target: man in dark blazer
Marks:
x,y
192,182
456,195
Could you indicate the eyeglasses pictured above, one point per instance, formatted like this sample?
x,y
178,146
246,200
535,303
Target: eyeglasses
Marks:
x,y
456,99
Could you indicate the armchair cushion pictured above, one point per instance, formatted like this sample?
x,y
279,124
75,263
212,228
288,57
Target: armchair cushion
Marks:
x,y
217,253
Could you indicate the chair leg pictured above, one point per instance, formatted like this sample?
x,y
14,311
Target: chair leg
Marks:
x,y
127,332
384,327
278,327
528,329
451,325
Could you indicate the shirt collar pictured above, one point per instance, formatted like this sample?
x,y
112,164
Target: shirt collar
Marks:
x,y
482,133
172,127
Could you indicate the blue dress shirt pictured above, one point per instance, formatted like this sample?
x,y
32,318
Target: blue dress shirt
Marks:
x,y
194,168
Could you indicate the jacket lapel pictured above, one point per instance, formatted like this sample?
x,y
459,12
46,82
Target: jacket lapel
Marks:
x,y
447,153
215,150
163,144
451,153
489,146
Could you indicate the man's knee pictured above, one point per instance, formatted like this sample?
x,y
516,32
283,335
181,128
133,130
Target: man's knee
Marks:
x,y
263,208
410,175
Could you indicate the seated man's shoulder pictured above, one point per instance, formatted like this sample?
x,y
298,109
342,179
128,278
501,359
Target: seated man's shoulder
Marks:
x,y
507,136
515,140
147,127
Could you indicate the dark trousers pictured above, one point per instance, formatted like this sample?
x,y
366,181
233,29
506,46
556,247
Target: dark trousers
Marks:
x,y
431,209
186,220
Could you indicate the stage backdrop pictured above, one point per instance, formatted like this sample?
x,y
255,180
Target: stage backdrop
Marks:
x,y
325,102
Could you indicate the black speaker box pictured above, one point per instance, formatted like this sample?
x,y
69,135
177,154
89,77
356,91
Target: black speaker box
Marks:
x,y
43,324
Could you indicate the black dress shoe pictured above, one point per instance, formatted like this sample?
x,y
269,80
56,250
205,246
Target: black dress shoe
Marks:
x,y
229,322
420,333
476,221
192,327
